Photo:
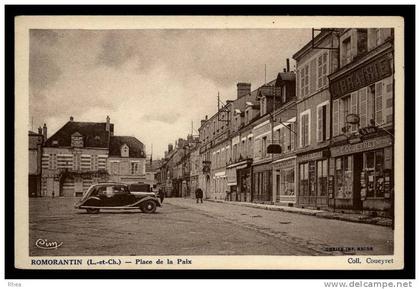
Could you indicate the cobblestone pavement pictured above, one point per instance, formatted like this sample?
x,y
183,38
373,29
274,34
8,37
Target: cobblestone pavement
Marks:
x,y
182,227
322,235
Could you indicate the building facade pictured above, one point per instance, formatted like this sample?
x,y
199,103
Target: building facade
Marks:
x,y
362,92
126,161
313,66
35,162
76,156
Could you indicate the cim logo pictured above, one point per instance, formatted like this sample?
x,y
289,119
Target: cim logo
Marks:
x,y
47,245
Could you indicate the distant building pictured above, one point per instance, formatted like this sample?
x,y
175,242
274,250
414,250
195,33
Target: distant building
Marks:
x,y
35,168
126,160
84,153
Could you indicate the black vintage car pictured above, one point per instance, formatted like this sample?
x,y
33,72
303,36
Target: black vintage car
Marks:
x,y
117,196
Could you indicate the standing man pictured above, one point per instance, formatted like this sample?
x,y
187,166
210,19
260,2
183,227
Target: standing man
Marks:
x,y
199,195
161,195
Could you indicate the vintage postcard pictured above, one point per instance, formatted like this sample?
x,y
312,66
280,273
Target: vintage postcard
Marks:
x,y
209,142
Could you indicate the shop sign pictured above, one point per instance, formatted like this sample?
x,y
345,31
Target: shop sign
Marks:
x,y
359,147
314,156
231,177
363,76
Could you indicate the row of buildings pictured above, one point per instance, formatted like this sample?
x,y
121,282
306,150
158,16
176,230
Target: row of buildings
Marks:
x,y
320,136
80,154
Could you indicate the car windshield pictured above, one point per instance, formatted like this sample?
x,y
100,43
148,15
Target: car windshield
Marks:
x,y
92,190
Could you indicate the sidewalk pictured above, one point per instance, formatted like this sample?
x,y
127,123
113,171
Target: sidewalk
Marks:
x,y
355,218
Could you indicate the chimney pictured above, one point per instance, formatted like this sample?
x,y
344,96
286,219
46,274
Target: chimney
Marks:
x,y
44,132
71,118
243,89
170,148
284,69
206,117
107,127
287,64
39,130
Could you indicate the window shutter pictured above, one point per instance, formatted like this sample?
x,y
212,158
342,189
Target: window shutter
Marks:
x,y
354,109
293,136
312,76
353,44
388,100
306,117
363,107
319,76
336,117
327,121
297,83
342,117
286,133
378,103
281,140
319,124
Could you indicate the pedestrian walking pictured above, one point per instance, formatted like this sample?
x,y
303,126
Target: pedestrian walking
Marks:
x,y
161,195
199,195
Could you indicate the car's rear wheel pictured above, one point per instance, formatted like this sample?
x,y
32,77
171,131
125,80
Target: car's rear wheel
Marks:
x,y
92,211
148,207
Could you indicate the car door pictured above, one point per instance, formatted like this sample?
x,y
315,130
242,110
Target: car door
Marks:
x,y
123,196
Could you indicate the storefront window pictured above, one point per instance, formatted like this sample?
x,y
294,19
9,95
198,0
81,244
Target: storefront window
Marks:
x,y
374,173
287,182
322,172
344,177
304,179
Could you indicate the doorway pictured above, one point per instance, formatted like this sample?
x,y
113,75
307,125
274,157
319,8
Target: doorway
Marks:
x,y
358,168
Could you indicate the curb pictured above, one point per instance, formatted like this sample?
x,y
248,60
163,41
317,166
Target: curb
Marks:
x,y
316,213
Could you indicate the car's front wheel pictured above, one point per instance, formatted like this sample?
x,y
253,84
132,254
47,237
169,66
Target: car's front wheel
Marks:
x,y
148,207
92,211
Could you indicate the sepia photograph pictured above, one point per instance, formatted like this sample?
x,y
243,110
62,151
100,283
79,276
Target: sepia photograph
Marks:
x,y
209,142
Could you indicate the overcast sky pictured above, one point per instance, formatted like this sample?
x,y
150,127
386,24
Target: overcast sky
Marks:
x,y
152,83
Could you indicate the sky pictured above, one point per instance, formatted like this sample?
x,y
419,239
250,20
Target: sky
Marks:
x,y
154,84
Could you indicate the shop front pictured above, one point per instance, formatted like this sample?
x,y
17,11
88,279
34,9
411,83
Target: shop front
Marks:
x,y
231,182
262,183
363,176
313,179
239,181
284,180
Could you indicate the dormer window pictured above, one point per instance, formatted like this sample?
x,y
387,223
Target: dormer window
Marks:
x,y
125,151
77,140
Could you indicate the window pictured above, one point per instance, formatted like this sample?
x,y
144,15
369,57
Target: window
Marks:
x,y
377,36
249,153
304,81
322,129
305,128
134,168
322,70
322,173
344,177
304,179
235,149
279,135
115,168
344,111
284,94
374,165
125,151
362,46
346,48
264,147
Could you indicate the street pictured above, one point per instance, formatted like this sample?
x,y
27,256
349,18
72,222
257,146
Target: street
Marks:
x,y
182,227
